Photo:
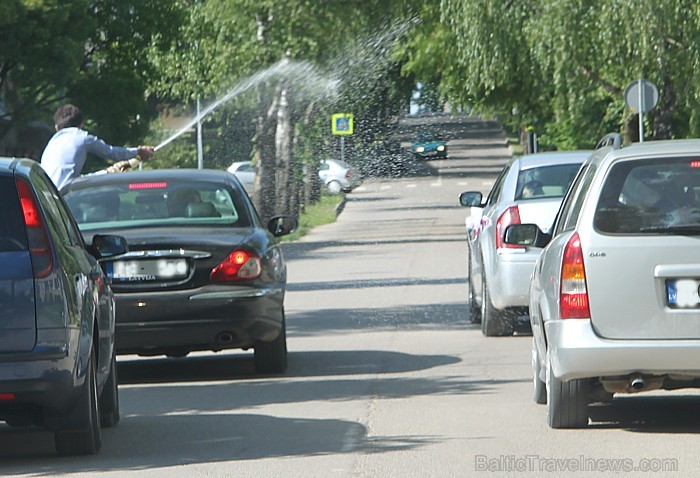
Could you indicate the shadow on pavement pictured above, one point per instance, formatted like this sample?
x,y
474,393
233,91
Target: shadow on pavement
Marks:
x,y
648,414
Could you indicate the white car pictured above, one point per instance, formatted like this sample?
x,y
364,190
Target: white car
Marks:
x,y
245,172
614,301
528,190
338,176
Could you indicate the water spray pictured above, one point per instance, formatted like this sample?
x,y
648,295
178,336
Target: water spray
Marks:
x,y
313,83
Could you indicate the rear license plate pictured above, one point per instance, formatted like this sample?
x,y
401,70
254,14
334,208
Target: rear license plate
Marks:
x,y
683,293
147,270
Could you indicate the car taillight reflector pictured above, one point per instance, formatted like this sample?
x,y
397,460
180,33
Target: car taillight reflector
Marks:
x,y
237,266
573,296
509,216
39,246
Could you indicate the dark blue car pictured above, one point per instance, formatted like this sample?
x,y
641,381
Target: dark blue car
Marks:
x,y
57,365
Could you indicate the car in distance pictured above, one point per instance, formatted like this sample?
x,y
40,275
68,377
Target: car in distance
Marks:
x,y
529,189
56,315
429,144
245,172
202,272
614,302
338,176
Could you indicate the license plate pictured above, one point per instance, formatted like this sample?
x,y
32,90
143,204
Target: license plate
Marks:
x,y
147,270
683,293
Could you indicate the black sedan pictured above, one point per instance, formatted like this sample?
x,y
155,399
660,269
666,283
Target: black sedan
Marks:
x,y
202,272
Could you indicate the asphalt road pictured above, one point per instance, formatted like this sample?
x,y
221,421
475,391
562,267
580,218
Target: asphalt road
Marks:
x,y
387,378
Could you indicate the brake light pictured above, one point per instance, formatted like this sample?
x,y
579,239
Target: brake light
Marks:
x,y
573,296
6,397
347,174
39,245
509,216
155,185
237,266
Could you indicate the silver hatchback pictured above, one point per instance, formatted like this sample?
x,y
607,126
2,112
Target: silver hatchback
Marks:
x,y
614,302
528,190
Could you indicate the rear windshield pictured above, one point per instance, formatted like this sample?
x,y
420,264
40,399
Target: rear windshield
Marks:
x,y
545,181
12,234
650,196
166,203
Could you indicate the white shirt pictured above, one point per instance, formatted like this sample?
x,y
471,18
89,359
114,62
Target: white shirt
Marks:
x,y
65,155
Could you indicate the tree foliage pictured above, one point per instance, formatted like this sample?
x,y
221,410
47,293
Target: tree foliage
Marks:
x,y
561,66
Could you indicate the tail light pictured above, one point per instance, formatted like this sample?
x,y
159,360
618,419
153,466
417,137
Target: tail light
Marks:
x,y
39,245
509,216
6,397
347,174
239,265
573,297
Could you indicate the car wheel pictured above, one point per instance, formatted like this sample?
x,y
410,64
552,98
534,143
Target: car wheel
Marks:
x,y
109,400
539,388
567,402
271,357
334,187
87,441
474,309
494,322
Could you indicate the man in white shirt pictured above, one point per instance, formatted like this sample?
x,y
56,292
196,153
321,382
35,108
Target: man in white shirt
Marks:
x,y
65,154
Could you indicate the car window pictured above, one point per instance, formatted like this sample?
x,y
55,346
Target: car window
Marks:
x,y
12,234
650,196
545,181
47,198
498,185
573,202
166,203
59,210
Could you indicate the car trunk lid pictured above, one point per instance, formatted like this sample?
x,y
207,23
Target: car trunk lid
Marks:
x,y
156,261
637,295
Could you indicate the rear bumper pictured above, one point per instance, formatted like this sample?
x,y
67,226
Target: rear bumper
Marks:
x,y
44,378
510,287
577,352
209,318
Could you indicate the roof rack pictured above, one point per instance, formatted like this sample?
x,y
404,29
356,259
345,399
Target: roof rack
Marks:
x,y
610,139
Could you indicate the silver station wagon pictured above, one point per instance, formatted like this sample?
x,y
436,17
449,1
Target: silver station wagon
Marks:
x,y
614,298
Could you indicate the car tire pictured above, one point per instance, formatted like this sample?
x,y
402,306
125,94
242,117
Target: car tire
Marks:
x,y
567,402
86,441
494,322
109,400
334,187
539,388
271,357
474,309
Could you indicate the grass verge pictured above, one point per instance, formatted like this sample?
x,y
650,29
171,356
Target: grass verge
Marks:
x,y
323,212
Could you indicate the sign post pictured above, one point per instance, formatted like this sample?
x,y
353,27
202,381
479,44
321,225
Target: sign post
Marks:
x,y
342,124
641,96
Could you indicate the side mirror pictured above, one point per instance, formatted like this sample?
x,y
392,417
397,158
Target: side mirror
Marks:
x,y
471,199
526,235
108,246
282,225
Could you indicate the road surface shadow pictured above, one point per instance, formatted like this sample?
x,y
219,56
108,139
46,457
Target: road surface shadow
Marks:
x,y
323,322
648,414
239,365
141,443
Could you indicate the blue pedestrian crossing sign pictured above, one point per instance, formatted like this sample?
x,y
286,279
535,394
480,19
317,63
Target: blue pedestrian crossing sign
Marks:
x,y
342,124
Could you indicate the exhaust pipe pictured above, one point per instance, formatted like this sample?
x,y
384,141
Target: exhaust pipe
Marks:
x,y
224,337
637,384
